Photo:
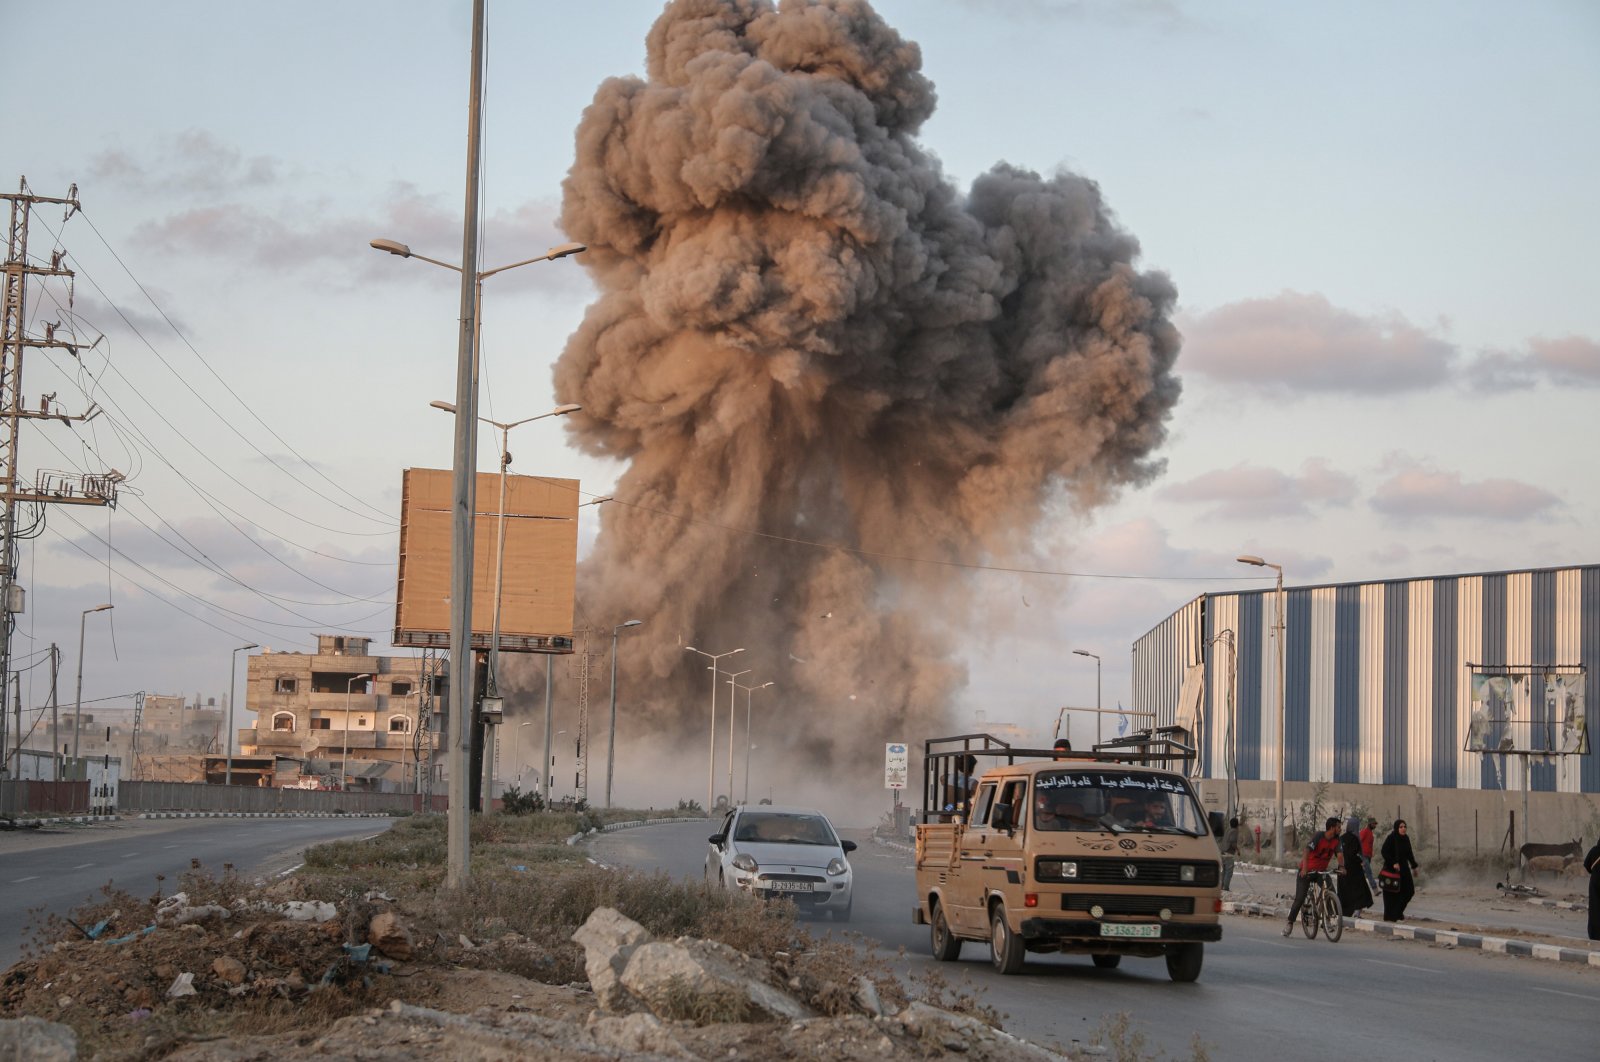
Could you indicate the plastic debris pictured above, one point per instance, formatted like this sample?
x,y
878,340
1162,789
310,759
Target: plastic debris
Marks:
x,y
131,936
309,911
183,986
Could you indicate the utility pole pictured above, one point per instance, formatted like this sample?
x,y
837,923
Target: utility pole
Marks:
x,y
581,780
53,488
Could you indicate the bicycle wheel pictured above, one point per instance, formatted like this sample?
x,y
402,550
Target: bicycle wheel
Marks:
x,y
1311,914
1332,916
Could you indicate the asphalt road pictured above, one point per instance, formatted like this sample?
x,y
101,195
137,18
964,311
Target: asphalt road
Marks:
x,y
58,869
1260,996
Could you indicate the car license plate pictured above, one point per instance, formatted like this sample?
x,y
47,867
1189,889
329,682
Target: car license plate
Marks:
x,y
1118,929
789,886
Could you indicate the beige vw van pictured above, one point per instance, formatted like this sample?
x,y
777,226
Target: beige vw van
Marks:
x,y
1104,854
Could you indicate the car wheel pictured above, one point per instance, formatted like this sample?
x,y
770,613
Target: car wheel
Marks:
x,y
1107,962
1005,948
842,914
946,947
1184,961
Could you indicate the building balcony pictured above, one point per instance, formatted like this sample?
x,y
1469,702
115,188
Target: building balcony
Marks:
x,y
297,741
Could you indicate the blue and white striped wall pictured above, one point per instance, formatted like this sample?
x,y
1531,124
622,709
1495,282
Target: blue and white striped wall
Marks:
x,y
1376,675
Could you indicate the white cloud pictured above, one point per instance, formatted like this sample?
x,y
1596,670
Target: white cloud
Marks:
x,y
1302,343
1417,491
1248,491
1570,361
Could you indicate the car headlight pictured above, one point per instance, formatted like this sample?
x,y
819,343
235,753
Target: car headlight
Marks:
x,y
745,862
1186,873
837,866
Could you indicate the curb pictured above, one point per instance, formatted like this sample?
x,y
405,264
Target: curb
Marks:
x,y
262,815
612,827
28,824
1449,937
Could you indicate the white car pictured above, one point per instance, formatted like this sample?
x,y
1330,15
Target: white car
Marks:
x,y
787,853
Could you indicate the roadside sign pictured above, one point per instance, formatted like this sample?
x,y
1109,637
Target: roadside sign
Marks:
x,y
895,766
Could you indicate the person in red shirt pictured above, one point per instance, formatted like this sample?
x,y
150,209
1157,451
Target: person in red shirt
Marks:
x,y
1319,853
1366,854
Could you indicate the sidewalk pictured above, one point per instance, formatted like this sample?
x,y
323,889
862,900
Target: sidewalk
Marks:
x,y
1451,911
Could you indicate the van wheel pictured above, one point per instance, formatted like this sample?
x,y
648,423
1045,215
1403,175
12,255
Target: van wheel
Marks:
x,y
1184,960
1006,950
946,947
1107,962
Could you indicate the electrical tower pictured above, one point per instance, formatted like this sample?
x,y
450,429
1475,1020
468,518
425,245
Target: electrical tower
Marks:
x,y
49,488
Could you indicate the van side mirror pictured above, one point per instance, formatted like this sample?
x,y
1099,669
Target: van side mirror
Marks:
x,y
718,839
848,846
1000,818
1215,818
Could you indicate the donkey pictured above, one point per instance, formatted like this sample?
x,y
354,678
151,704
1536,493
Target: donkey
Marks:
x,y
1531,850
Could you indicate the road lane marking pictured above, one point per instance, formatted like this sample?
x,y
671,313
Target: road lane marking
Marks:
x,y
1402,965
80,866
1300,999
130,855
169,846
1574,995
19,881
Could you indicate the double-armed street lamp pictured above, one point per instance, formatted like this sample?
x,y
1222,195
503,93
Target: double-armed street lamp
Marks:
x,y
77,707
344,763
464,467
733,708
611,745
711,755
749,692
1283,714
1085,652
233,672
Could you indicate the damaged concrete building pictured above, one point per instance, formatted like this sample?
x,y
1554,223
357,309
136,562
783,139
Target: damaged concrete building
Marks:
x,y
355,721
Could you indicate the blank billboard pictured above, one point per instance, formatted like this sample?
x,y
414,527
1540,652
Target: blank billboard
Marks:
x,y
539,570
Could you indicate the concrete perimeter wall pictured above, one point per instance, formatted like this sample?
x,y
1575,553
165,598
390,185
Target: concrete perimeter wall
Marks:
x,y
72,798
1451,822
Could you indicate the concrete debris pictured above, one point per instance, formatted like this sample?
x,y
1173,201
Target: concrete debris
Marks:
x,y
229,969
697,979
390,936
175,911
609,939
183,986
37,1040
308,911
865,994
636,1033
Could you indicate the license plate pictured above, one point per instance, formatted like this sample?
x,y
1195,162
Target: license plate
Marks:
x,y
789,886
1118,929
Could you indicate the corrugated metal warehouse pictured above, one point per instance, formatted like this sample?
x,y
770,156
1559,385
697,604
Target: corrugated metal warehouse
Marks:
x,y
1379,678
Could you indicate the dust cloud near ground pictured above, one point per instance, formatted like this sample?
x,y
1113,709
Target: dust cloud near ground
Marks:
x,y
835,380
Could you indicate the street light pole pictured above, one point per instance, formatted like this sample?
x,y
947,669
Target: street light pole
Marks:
x,y
749,692
611,745
77,707
733,708
233,671
1283,709
711,756
344,762
1097,706
464,465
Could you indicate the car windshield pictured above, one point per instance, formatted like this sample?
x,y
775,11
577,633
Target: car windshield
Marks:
x,y
1115,801
772,827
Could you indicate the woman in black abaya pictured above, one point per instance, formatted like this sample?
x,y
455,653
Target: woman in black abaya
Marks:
x,y
1397,858
1353,892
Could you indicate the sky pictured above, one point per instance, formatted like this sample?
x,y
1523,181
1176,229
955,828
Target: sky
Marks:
x,y
1379,220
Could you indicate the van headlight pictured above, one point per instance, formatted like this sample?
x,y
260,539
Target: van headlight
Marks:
x,y
837,866
1186,873
745,862
1057,870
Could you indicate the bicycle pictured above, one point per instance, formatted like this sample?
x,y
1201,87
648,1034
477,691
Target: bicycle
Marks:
x,y
1321,910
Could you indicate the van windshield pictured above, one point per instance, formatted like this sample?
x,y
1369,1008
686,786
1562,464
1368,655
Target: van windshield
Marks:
x,y
1116,801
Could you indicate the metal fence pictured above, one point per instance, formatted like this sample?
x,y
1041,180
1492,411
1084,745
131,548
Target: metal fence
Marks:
x,y
72,798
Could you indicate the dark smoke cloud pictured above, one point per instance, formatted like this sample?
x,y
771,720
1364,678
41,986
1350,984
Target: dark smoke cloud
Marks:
x,y
805,329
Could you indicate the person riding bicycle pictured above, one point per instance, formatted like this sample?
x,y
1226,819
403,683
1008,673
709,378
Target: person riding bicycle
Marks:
x,y
1319,853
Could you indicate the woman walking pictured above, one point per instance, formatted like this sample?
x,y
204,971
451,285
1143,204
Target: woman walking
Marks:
x,y
1354,895
1398,862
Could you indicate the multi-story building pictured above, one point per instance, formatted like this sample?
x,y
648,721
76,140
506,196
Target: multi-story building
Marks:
x,y
354,719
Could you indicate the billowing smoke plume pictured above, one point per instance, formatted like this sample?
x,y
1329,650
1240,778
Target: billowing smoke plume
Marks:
x,y
805,331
